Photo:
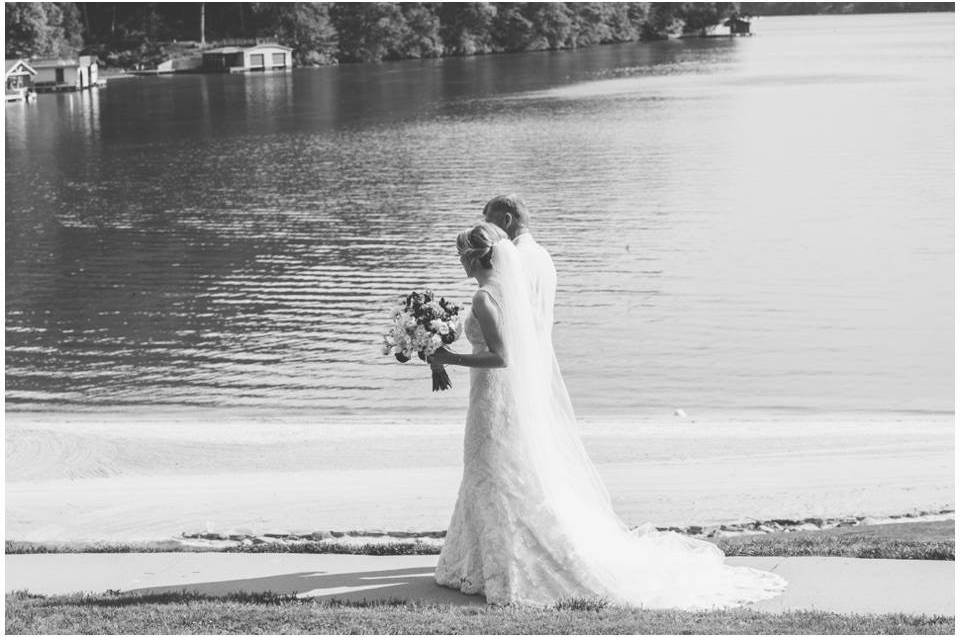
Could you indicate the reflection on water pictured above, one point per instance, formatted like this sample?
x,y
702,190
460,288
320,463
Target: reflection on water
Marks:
x,y
762,223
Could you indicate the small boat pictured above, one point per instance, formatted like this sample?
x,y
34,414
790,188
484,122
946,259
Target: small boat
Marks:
x,y
21,94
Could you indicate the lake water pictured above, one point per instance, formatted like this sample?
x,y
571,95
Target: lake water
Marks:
x,y
763,224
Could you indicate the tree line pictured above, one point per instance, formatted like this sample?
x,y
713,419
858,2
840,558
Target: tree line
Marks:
x,y
324,33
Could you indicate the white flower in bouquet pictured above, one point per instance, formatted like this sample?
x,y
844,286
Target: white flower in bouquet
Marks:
x,y
421,326
420,336
439,326
455,328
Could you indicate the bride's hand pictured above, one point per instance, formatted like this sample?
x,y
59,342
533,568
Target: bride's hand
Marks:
x,y
439,358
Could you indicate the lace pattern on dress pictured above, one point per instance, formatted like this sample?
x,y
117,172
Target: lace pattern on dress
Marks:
x,y
521,533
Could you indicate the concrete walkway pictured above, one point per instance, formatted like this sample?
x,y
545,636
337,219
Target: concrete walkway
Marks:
x,y
841,585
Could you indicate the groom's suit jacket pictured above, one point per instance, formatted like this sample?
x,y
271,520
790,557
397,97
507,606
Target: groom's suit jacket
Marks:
x,y
542,280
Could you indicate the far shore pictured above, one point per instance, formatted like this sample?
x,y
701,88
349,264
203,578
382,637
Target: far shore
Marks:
x,y
152,474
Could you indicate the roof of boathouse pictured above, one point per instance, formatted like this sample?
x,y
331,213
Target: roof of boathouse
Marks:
x,y
44,63
229,50
224,50
54,62
269,45
16,64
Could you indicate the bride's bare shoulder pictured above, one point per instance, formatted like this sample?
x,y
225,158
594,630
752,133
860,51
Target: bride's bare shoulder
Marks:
x,y
485,303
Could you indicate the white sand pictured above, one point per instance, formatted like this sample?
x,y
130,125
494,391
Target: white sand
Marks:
x,y
149,474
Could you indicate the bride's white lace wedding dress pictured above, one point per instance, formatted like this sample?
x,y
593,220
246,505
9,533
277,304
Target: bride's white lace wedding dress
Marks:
x,y
533,523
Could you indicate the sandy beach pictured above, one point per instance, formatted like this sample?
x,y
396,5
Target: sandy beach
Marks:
x,y
150,474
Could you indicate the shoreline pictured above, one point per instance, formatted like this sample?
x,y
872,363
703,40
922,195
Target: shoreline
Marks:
x,y
409,542
95,477
430,414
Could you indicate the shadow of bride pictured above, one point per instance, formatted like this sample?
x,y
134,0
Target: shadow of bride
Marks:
x,y
414,583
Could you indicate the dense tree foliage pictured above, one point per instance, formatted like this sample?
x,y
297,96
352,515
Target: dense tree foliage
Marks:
x,y
467,29
304,26
321,33
35,29
374,31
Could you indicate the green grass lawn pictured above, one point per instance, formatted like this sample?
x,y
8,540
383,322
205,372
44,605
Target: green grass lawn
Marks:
x,y
265,613
903,541
262,614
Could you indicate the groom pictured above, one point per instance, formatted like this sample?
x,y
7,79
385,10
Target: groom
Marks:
x,y
510,214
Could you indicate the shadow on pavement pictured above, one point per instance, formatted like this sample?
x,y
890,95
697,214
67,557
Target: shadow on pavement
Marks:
x,y
414,583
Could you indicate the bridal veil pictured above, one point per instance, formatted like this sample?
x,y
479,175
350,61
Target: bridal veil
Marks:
x,y
534,522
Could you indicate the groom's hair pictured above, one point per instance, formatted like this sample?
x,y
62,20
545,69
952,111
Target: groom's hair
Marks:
x,y
498,207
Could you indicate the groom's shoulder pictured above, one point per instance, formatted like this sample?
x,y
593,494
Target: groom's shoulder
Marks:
x,y
544,255
527,240
539,247
526,243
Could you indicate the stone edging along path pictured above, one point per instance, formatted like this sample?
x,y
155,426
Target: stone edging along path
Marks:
x,y
385,542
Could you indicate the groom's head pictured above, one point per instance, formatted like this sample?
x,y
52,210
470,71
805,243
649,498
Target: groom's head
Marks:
x,y
509,213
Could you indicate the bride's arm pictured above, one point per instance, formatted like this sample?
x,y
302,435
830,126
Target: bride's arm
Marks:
x,y
487,313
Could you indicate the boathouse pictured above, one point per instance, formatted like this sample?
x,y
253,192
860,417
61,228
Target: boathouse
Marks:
x,y
19,79
739,26
260,57
66,74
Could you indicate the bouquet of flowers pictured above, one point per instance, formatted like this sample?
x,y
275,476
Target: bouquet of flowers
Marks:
x,y
421,325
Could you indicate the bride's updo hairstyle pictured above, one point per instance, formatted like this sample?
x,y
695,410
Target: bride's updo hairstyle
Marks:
x,y
475,245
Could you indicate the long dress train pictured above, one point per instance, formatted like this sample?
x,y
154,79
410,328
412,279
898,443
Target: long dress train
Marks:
x,y
533,523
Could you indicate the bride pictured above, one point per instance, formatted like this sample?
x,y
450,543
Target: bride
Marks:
x,y
533,523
